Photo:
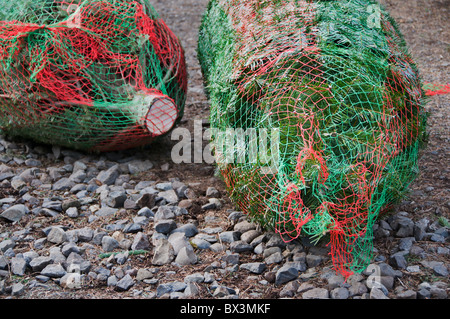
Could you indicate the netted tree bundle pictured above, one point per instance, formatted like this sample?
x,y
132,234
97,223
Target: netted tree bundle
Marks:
x,y
317,116
95,75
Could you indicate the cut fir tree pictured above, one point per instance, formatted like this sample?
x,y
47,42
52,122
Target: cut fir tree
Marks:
x,y
335,80
95,75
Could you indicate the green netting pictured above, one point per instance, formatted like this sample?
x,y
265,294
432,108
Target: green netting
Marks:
x,y
89,74
317,116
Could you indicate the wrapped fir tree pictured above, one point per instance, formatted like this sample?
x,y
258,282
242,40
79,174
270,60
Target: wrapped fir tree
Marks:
x,y
333,86
95,75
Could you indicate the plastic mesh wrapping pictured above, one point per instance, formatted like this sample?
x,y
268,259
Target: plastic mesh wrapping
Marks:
x,y
330,83
95,75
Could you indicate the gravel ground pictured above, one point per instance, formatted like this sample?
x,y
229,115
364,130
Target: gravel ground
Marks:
x,y
62,211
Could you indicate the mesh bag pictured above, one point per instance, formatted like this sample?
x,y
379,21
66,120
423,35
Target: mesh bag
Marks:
x,y
317,116
96,75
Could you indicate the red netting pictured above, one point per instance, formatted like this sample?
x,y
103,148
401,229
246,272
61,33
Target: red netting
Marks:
x,y
333,85
89,74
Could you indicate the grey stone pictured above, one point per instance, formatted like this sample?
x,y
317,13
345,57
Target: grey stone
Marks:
x,y
221,292
200,243
121,257
438,293
420,229
178,241
112,281
259,240
165,212
140,242
271,250
382,269
143,274
229,236
377,293
125,283
398,260
437,238
49,212
408,294
316,293
72,212
71,281
132,228
76,263
54,205
18,266
147,200
63,184
250,235
406,243
78,176
85,234
169,287
194,278
313,260
276,240
56,255
116,199
4,262
10,253
17,289
57,235
139,166
423,294
39,243
438,267
67,249
145,211
189,230
405,227
244,226
18,182
413,269
106,211
232,259
212,192
289,289
274,258
340,293
254,267
335,281
164,253
209,206
285,274
217,247
109,243
240,247
191,290
170,196
165,226
305,286
14,213
164,186
186,256
68,203
387,282
7,244
358,289
39,263
109,176
53,271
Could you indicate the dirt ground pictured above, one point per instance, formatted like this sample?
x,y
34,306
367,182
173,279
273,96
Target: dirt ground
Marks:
x,y
426,27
